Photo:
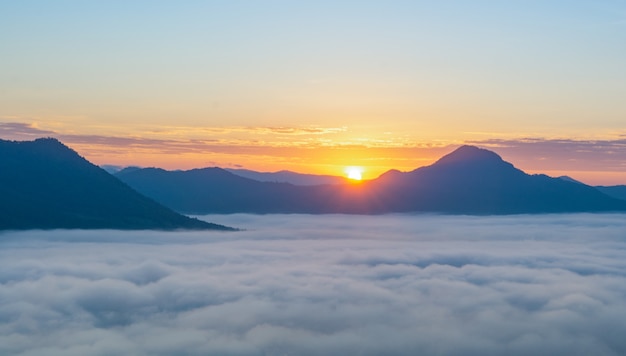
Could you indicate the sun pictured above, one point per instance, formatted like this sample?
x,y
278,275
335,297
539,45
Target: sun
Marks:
x,y
354,173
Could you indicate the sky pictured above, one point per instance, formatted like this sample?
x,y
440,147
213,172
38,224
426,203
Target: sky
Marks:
x,y
321,285
317,86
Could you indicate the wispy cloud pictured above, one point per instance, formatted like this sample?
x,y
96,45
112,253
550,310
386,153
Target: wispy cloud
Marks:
x,y
226,130
602,155
312,285
173,137
320,145
263,145
18,130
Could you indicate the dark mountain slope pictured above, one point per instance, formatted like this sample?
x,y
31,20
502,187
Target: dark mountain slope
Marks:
x,y
46,185
570,179
615,191
288,177
215,190
469,180
477,181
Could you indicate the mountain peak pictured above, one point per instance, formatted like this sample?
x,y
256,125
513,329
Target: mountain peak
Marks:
x,y
470,154
47,185
45,139
47,142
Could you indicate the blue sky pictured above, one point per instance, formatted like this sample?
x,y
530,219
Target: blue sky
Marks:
x,y
391,73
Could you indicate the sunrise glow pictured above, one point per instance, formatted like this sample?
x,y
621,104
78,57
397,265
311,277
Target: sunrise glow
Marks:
x,y
312,177
354,173
379,85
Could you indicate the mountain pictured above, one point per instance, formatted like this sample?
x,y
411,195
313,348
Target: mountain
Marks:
x,y
111,169
615,191
288,177
570,179
215,190
469,180
46,185
477,181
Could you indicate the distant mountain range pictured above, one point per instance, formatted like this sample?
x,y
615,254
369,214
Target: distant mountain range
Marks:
x,y
288,177
46,185
469,180
616,191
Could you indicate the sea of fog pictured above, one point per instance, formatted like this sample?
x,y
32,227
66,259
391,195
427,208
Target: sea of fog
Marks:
x,y
321,285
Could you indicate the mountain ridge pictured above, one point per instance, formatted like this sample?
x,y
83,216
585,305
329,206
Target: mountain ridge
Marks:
x,y
468,154
615,191
285,176
46,185
469,180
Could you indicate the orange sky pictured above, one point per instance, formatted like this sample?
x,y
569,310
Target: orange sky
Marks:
x,y
317,86
328,151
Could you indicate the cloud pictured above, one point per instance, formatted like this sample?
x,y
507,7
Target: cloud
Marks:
x,y
604,154
167,136
601,161
562,154
23,131
273,142
314,285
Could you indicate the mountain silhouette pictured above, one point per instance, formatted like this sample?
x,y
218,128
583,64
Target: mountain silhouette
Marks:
x,y
215,190
477,181
469,180
46,185
570,179
288,177
615,191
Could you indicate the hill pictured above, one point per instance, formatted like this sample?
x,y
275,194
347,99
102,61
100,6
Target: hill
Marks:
x,y
615,191
469,180
288,177
46,185
215,190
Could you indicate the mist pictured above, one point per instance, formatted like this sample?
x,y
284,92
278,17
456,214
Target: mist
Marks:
x,y
320,285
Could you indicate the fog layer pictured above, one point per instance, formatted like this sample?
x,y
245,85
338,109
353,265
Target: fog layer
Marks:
x,y
321,285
